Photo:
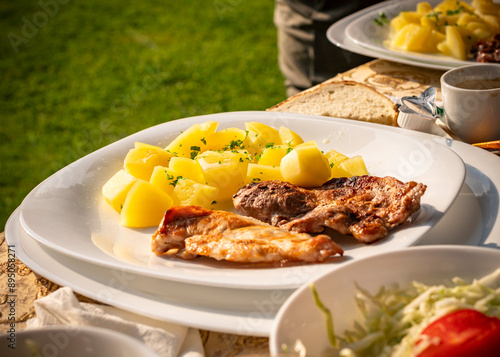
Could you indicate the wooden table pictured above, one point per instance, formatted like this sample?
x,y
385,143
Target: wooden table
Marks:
x,y
389,78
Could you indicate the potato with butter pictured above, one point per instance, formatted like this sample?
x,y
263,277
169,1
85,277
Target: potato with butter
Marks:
x,y
192,141
225,170
260,173
272,155
115,190
230,139
355,166
289,137
261,135
143,158
188,168
144,205
334,159
305,166
191,193
164,178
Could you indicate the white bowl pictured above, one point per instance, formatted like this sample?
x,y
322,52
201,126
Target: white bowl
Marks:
x,y
300,318
74,341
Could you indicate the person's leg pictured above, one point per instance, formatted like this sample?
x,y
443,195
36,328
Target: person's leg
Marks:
x,y
305,55
295,47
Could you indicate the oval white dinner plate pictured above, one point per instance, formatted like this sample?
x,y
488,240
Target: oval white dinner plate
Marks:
x,y
300,319
74,341
67,212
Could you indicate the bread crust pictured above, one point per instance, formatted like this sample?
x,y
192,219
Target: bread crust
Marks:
x,y
371,106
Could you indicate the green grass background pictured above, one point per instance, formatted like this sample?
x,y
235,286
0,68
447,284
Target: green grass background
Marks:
x,y
86,73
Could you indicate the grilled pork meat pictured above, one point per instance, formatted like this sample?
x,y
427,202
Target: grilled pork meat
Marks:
x,y
366,207
190,231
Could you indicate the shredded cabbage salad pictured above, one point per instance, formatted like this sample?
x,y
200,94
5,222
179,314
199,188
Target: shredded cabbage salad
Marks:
x,y
394,317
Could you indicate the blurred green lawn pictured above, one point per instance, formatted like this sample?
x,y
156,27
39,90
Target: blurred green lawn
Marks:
x,y
78,75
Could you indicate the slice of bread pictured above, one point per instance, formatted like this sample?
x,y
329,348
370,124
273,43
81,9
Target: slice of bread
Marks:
x,y
342,99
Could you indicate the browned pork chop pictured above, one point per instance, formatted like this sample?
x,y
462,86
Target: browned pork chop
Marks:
x,y
363,206
189,231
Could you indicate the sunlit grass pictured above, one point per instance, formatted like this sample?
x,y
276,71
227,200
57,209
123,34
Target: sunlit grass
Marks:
x,y
98,71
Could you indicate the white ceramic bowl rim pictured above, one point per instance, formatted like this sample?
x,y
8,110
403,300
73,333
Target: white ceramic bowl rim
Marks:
x,y
456,75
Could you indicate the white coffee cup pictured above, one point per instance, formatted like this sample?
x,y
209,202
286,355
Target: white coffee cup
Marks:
x,y
472,114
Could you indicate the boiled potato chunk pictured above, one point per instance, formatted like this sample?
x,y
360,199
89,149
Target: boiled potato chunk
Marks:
x,y
405,18
273,155
412,37
288,137
423,8
455,43
187,168
262,135
334,159
164,178
225,170
230,139
260,173
116,188
192,141
141,161
144,206
189,192
305,166
355,166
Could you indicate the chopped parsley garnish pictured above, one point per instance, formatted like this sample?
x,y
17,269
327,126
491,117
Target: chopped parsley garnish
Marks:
x,y
435,14
195,150
204,141
173,180
458,10
234,144
381,19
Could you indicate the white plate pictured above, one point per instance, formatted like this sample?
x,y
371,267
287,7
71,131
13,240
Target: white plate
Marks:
x,y
473,219
337,35
301,319
67,212
364,32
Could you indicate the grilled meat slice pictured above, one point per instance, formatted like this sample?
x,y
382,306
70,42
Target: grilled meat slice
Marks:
x,y
189,231
363,206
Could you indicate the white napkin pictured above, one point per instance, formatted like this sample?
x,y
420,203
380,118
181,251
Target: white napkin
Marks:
x,y
166,339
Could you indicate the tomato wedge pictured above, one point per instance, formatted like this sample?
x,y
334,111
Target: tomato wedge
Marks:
x,y
464,333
